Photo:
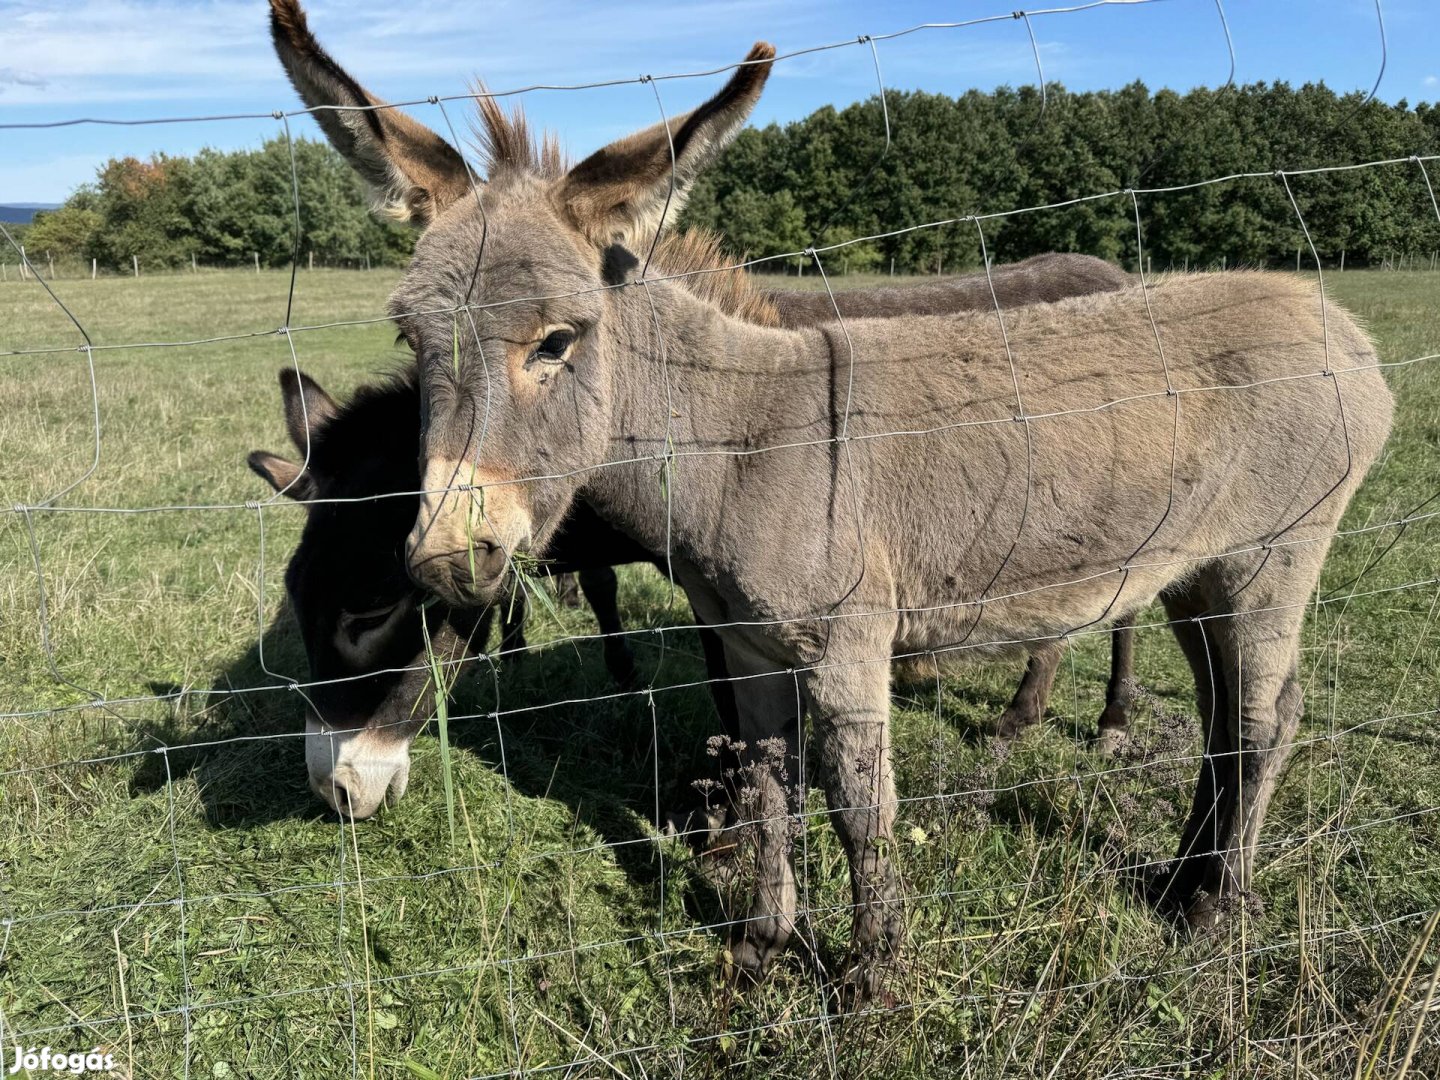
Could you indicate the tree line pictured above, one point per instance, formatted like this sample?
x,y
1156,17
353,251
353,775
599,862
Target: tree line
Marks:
x,y
220,208
830,177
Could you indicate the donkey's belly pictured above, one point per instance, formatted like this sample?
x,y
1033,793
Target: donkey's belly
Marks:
x,y
1009,621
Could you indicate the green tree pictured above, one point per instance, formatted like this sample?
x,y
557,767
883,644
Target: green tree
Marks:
x,y
67,233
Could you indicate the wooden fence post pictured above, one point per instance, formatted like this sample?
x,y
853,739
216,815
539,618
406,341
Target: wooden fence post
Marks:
x,y
93,268
1342,260
193,268
257,262
51,260
312,260
23,260
135,259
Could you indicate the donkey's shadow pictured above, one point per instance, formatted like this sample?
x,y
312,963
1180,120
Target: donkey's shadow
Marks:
x,y
241,739
551,723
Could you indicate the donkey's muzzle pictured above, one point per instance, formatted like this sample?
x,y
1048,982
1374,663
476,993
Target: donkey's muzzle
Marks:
x,y
358,770
471,576
469,524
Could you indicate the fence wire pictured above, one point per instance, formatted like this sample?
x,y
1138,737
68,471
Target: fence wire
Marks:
x,y
677,935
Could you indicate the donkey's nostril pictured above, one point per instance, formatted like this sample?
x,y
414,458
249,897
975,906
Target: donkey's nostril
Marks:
x,y
342,798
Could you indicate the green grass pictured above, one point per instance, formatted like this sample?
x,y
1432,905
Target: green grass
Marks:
x,y
530,935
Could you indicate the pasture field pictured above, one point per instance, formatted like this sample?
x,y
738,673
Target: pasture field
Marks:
x,y
172,891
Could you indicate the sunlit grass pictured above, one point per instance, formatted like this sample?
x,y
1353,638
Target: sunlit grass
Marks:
x,y
514,903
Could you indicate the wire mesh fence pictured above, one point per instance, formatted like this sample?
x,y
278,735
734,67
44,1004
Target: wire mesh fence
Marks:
x,y
175,897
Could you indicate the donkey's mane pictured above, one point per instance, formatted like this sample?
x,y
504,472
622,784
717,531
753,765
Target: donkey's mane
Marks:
x,y
506,144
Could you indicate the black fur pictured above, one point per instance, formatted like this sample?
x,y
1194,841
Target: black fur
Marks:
x,y
618,264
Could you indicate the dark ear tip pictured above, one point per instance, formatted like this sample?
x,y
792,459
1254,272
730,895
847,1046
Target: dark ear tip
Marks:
x,y
256,460
289,25
287,378
287,14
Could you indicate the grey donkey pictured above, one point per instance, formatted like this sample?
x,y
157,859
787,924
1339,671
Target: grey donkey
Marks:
x,y
360,616
835,496
1038,279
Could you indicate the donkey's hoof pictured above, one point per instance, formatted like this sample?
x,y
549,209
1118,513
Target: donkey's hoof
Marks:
x,y
745,963
1203,915
1015,720
862,981
621,665
1188,906
1110,740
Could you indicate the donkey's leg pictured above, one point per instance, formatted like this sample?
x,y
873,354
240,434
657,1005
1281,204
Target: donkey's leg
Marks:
x,y
1290,710
765,789
1028,705
701,825
1217,764
567,590
512,624
601,589
849,703
1120,690
1257,646
717,675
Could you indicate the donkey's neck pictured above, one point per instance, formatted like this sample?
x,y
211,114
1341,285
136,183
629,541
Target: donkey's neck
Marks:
x,y
696,393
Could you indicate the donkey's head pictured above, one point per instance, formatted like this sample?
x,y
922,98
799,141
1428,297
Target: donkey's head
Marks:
x,y
506,302
359,614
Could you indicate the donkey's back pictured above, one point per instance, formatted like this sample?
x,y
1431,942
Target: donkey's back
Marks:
x,y
1040,279
1083,453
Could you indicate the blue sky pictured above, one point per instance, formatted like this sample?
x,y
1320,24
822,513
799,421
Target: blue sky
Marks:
x,y
133,59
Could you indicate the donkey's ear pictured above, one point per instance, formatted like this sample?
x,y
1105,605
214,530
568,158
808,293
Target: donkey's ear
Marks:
x,y
413,171
308,408
618,193
282,475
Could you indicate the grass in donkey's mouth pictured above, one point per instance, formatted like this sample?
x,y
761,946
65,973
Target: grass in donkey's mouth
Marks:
x,y
442,681
530,575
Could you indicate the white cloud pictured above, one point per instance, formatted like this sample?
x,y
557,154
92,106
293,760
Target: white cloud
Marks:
x,y
1431,80
94,51
15,77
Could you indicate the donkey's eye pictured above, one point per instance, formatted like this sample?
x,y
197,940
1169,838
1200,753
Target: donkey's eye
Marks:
x,y
555,345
